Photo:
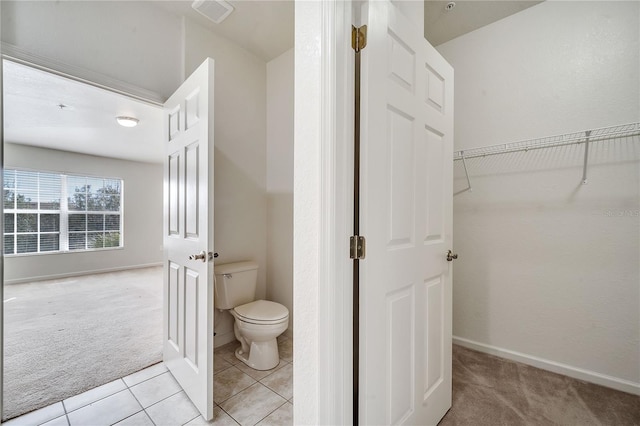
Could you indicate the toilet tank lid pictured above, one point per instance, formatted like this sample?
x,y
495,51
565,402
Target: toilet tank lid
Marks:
x,y
230,268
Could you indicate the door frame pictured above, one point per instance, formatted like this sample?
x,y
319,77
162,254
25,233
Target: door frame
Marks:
x,y
82,75
323,212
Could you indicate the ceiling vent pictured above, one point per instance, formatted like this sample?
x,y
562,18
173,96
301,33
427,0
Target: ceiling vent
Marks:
x,y
215,10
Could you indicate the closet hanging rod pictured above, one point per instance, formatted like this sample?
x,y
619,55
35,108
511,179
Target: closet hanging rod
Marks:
x,y
594,135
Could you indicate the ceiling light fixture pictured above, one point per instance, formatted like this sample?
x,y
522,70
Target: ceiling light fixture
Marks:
x,y
449,7
127,121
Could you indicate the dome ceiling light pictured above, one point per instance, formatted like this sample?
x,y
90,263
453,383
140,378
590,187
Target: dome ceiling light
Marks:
x,y
127,121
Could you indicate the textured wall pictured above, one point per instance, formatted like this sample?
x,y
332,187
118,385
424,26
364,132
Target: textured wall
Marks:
x,y
280,181
549,268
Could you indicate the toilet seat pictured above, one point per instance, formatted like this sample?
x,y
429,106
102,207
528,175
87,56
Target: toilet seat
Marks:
x,y
262,312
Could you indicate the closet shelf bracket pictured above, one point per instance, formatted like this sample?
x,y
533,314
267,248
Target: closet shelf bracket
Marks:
x,y
466,172
587,134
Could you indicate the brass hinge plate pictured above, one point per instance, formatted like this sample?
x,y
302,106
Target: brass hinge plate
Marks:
x,y
358,37
357,247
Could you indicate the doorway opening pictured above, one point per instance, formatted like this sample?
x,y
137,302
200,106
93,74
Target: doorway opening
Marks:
x,y
252,204
82,199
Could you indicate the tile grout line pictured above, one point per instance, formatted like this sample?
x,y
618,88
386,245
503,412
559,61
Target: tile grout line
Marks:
x,y
141,406
240,391
149,417
137,412
262,384
127,387
159,401
143,409
189,421
274,391
269,387
138,401
261,379
279,407
66,414
64,407
230,416
145,380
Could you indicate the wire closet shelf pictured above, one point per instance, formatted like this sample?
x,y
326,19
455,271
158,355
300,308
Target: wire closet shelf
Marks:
x,y
584,137
594,135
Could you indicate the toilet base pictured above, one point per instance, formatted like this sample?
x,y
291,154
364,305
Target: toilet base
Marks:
x,y
261,356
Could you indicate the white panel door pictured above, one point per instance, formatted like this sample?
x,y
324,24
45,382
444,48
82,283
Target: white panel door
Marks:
x,y
407,149
188,230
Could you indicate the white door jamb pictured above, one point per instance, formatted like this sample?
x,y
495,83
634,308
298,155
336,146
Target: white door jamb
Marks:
x,y
323,212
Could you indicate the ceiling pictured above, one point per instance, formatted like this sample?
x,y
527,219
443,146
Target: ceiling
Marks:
x,y
442,25
266,27
86,121
85,124
263,27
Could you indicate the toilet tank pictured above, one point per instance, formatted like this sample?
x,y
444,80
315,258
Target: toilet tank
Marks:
x,y
235,284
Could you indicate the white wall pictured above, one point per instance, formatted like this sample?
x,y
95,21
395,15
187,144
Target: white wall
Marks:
x,y
142,214
549,268
240,155
280,181
131,41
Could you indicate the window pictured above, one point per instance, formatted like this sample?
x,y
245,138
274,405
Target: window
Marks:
x,y
50,212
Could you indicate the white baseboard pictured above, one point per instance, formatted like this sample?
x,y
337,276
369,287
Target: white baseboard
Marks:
x,y
79,273
555,367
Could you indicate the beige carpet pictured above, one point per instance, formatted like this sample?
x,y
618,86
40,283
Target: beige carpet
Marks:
x,y
492,391
63,337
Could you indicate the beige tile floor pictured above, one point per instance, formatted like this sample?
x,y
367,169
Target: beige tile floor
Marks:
x,y
243,396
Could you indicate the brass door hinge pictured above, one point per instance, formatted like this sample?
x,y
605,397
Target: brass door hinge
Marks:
x,y
357,247
358,37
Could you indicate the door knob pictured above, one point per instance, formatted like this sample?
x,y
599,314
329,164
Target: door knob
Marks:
x,y
203,255
451,256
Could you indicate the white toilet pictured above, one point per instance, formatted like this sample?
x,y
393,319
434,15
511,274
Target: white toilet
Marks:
x,y
257,322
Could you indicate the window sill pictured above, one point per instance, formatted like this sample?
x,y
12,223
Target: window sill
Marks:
x,y
51,253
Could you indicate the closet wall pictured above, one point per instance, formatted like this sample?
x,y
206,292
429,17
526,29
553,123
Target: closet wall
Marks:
x,y
549,268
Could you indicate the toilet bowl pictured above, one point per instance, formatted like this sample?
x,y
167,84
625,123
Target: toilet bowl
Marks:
x,y
257,326
257,323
